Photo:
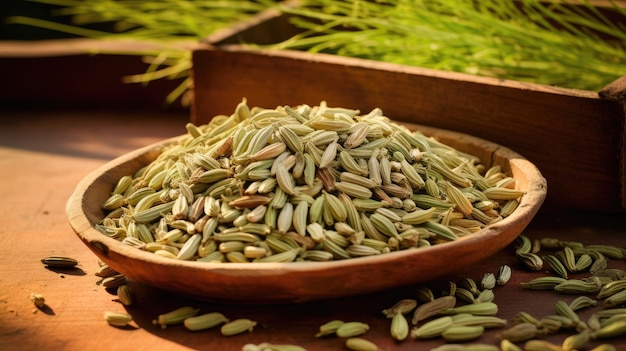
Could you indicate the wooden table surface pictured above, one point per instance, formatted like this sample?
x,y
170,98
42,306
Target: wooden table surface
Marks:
x,y
45,153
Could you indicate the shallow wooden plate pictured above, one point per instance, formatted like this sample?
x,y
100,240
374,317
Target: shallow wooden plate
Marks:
x,y
302,281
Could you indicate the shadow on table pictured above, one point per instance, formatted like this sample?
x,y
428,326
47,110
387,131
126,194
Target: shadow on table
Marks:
x,y
47,310
294,324
67,270
277,324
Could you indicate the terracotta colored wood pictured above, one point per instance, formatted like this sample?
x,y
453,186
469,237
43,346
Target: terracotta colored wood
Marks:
x,y
45,153
574,137
302,281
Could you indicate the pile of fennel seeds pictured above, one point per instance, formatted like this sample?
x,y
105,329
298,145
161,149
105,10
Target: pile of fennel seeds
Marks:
x,y
303,184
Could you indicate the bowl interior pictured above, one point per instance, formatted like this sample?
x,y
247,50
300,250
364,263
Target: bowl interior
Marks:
x,y
302,281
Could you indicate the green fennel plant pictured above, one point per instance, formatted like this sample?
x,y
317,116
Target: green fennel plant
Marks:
x,y
567,43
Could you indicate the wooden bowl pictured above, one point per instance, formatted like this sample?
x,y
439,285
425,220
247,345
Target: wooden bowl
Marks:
x,y
302,281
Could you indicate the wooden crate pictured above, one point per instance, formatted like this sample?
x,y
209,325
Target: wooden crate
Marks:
x,y
575,137
66,72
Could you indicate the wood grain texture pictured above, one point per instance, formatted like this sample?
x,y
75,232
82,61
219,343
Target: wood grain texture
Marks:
x,y
80,72
43,156
573,136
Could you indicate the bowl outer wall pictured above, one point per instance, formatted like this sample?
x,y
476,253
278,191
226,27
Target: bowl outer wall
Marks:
x,y
302,281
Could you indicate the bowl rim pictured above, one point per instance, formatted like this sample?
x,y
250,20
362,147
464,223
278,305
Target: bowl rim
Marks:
x,y
102,245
